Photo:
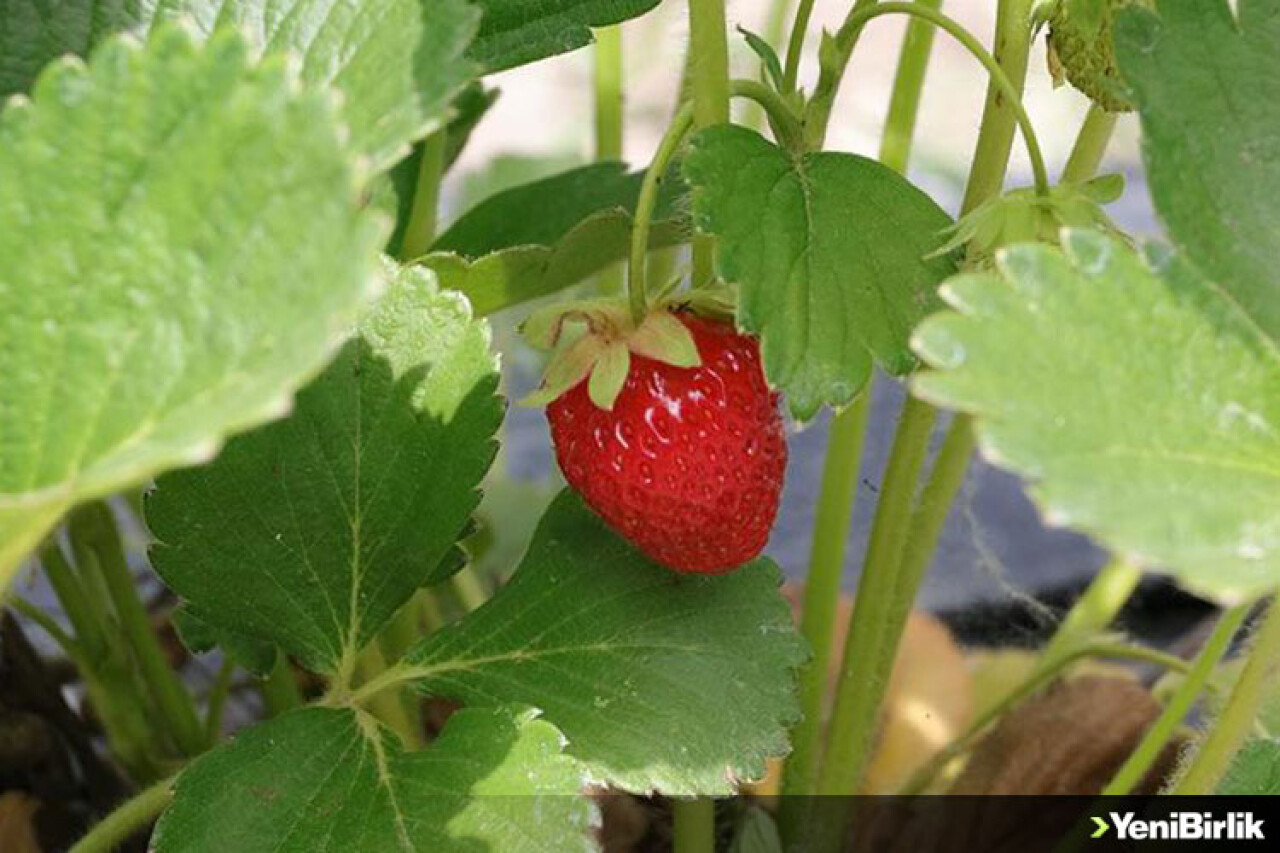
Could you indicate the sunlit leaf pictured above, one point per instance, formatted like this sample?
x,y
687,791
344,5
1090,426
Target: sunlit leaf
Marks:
x,y
182,247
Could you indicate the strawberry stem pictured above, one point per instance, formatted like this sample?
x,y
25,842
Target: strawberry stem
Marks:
x,y
819,110
1224,739
1158,734
1091,144
645,204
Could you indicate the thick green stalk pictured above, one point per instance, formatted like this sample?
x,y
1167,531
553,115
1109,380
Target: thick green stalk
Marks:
x,y
892,575
279,689
1141,760
913,63
469,588
1091,145
608,93
999,119
822,588
106,669
97,546
840,475
709,66
869,650
129,818
1047,670
1096,608
709,59
795,44
694,825
1229,731
637,276
420,233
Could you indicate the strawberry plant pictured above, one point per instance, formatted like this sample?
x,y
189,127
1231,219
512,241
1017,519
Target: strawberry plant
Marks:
x,y
228,315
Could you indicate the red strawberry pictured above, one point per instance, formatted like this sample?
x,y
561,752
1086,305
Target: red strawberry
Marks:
x,y
688,462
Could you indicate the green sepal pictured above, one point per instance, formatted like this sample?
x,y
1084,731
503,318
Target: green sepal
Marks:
x,y
768,56
662,337
1023,216
609,375
544,328
566,369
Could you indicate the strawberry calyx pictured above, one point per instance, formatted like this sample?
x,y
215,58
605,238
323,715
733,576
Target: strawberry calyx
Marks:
x,y
1025,216
594,339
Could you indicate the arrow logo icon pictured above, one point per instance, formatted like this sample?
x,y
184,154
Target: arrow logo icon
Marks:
x,y
1102,828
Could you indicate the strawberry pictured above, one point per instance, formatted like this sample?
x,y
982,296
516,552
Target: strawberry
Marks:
x,y
685,458
1080,49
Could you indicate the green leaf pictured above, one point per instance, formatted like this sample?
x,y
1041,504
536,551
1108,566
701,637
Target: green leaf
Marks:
x,y
1255,771
1208,88
331,779
831,254
659,681
516,32
397,63
200,636
310,533
1137,397
538,238
182,247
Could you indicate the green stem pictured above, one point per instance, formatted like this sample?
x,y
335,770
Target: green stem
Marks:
x,y
1046,671
1091,144
841,468
637,284
1238,716
822,587
84,618
1012,51
469,588
709,58
694,825
913,63
129,818
65,641
1141,760
218,696
420,233
784,119
1007,89
108,676
279,689
868,658
795,45
97,545
608,93
1097,607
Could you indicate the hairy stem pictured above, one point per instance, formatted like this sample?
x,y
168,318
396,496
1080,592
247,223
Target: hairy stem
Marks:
x,y
840,474
1012,50
904,105
420,233
1097,607
822,589
870,650
1232,727
1045,672
129,818
709,58
1141,760
1091,145
97,545
608,93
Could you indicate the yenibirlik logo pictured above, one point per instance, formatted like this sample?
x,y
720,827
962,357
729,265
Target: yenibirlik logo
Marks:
x,y
1181,826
